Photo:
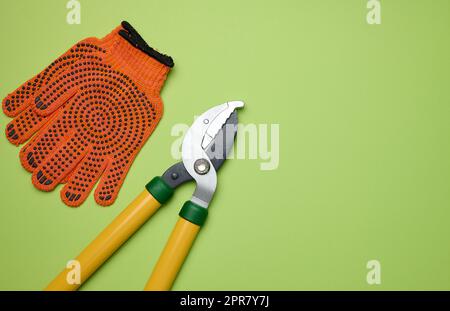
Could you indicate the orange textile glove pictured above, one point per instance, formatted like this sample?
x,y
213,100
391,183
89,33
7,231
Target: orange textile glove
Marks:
x,y
93,109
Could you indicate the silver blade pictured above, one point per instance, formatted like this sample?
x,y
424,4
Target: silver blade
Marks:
x,y
220,147
193,151
217,123
177,173
205,129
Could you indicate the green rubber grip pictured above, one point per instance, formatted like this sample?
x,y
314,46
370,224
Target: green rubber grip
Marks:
x,y
158,188
194,213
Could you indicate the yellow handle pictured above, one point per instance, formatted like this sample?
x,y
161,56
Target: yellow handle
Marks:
x,y
107,242
173,256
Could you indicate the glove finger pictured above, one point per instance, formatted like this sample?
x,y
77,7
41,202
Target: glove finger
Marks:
x,y
21,98
82,180
24,96
67,84
20,129
111,181
56,166
56,94
43,143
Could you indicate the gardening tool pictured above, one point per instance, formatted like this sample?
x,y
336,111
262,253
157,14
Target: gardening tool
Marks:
x,y
205,148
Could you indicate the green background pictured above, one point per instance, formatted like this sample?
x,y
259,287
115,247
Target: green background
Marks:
x,y
364,168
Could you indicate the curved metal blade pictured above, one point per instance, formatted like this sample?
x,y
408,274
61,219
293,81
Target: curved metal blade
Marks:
x,y
205,129
217,123
202,144
220,147
195,159
177,173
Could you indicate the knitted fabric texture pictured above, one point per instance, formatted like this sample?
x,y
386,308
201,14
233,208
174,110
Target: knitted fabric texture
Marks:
x,y
92,111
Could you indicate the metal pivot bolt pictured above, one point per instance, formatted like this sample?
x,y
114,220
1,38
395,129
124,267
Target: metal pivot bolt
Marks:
x,y
201,166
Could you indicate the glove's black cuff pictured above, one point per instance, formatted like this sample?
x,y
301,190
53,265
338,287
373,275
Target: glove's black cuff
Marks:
x,y
134,38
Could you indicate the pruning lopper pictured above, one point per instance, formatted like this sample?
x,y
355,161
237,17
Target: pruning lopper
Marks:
x,y
205,148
